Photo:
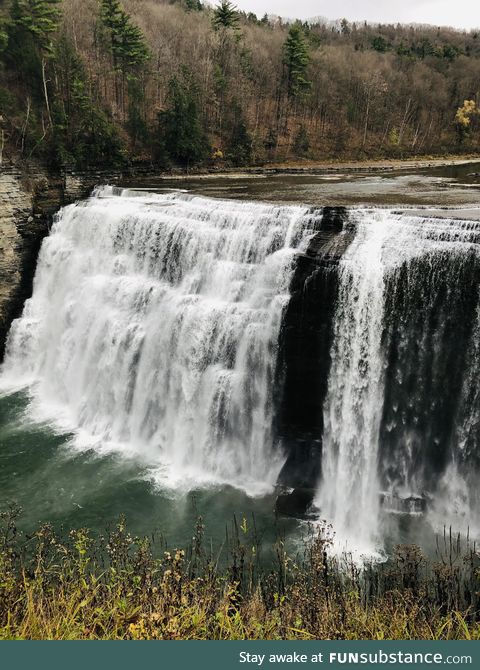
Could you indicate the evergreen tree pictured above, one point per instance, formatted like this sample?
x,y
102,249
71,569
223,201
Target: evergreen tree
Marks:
x,y
127,46
271,140
344,27
296,59
193,5
181,132
31,48
3,30
380,44
136,123
301,143
29,32
239,145
40,18
225,15
83,133
127,42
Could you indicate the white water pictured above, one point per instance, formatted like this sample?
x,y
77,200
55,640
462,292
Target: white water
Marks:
x,y
153,329
348,495
349,491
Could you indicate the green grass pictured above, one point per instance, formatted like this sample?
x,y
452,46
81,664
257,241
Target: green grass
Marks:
x,y
114,587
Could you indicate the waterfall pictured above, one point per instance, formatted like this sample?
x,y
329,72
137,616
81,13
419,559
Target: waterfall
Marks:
x,y
239,343
401,412
153,329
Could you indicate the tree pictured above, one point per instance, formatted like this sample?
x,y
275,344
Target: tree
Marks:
x,y
380,44
126,43
225,15
3,31
301,143
40,18
32,24
464,117
83,133
239,144
296,59
181,131
345,27
193,5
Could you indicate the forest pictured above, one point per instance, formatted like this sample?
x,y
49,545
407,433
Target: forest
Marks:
x,y
184,83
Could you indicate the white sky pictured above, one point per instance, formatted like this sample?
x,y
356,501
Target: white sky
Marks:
x,y
461,14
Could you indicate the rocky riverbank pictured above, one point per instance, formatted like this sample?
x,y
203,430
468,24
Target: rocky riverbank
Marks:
x,y
308,167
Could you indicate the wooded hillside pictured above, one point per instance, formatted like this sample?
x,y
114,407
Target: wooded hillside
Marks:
x,y
183,83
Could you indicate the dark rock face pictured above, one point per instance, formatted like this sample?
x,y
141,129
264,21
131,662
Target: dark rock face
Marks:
x,y
295,502
304,354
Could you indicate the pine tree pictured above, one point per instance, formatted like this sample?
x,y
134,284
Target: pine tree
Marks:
x,y
239,144
296,59
193,5
225,16
181,132
31,46
126,43
301,143
40,18
83,133
3,30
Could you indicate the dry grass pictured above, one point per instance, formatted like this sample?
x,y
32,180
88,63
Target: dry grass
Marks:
x,y
114,587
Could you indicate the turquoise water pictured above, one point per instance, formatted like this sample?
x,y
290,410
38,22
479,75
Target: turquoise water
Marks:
x,y
53,481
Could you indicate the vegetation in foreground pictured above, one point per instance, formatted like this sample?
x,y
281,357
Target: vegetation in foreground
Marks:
x,y
114,587
180,82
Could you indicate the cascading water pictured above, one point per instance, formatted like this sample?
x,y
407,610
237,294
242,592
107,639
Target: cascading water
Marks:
x,y
354,398
153,328
159,327
401,413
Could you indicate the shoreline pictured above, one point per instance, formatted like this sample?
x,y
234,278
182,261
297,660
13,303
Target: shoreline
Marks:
x,y
322,167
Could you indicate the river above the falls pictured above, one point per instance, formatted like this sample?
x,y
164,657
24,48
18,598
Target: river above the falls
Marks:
x,y
455,185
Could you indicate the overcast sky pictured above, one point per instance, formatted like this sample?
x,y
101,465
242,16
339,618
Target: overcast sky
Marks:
x,y
459,13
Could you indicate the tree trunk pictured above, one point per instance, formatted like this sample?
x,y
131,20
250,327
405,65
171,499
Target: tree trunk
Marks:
x,y
45,91
367,112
